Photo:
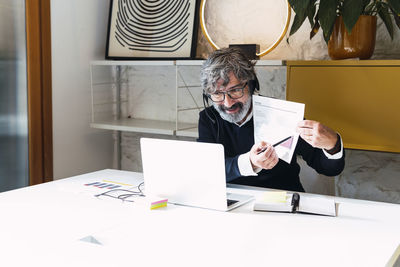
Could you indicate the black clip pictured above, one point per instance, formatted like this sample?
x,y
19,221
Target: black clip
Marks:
x,y
295,201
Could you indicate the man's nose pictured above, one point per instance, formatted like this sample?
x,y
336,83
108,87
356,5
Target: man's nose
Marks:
x,y
228,102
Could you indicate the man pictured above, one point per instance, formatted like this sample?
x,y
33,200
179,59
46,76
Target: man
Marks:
x,y
228,80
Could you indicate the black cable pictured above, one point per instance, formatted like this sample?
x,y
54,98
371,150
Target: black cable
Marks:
x,y
124,196
205,100
206,106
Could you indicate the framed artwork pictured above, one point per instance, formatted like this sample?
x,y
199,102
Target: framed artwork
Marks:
x,y
152,29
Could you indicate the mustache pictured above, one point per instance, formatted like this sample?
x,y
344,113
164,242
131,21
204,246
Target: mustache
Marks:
x,y
234,106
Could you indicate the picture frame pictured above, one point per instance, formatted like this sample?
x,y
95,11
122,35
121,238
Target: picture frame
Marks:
x,y
152,29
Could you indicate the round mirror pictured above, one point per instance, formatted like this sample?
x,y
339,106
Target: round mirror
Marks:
x,y
262,22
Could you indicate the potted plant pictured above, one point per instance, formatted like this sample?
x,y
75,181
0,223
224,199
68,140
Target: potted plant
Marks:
x,y
349,26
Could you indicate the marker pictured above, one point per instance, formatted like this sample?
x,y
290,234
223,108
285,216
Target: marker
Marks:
x,y
274,145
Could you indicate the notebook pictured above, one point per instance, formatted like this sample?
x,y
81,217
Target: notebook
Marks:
x,y
281,201
187,173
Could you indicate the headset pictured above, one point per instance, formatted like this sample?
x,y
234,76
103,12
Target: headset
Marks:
x,y
254,86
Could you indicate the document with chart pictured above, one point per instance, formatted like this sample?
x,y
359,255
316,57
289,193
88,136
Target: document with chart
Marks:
x,y
275,122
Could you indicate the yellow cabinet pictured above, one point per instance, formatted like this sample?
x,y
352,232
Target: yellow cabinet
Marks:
x,y
359,99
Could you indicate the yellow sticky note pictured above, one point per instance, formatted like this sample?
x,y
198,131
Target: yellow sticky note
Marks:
x,y
159,203
274,196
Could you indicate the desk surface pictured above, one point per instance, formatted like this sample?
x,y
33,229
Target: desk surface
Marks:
x,y
43,225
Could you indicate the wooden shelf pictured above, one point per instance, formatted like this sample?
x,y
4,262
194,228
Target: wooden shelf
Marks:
x,y
147,126
258,62
270,63
132,63
192,132
194,62
189,62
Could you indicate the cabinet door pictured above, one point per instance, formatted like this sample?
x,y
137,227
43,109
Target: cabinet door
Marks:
x,y
360,102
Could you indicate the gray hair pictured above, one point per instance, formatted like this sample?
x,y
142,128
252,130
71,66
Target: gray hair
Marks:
x,y
221,63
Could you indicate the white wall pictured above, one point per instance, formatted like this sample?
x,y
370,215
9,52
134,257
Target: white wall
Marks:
x,y
78,32
240,29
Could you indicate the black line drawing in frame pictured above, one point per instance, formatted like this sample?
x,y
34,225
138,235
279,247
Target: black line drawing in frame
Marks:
x,y
152,29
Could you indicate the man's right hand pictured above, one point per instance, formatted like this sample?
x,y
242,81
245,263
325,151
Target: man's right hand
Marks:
x,y
264,160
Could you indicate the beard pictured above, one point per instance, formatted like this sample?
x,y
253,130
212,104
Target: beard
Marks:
x,y
235,117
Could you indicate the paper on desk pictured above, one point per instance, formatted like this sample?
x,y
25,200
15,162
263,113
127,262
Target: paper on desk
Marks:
x,y
274,197
278,201
276,119
97,185
317,204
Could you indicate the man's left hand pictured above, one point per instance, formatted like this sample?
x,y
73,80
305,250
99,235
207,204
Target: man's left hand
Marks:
x,y
317,134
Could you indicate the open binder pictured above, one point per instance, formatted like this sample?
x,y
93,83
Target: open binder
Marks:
x,y
280,201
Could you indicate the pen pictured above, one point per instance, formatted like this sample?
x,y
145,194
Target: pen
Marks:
x,y
276,144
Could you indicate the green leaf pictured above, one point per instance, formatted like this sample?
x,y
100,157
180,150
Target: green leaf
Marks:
x,y
315,28
352,10
311,12
297,22
384,13
396,18
299,6
395,5
327,16
300,9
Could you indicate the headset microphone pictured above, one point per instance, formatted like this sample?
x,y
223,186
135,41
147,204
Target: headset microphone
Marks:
x,y
254,85
205,103
214,121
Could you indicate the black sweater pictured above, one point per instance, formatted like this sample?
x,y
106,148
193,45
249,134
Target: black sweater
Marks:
x,y
239,140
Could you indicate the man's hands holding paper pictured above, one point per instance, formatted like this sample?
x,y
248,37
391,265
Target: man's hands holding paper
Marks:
x,y
264,156
317,134
274,121
266,159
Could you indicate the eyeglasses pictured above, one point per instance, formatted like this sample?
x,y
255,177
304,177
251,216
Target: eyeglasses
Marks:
x,y
233,94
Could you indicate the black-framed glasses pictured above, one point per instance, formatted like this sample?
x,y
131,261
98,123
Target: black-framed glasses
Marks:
x,y
234,93
124,194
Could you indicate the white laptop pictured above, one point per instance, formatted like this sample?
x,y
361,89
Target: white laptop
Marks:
x,y
187,173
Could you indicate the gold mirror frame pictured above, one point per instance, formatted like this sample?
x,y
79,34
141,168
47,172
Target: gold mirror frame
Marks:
x,y
263,53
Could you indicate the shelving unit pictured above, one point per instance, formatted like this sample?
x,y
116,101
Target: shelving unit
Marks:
x,y
109,103
132,124
110,87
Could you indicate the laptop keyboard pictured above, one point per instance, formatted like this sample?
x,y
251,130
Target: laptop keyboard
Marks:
x,y
231,202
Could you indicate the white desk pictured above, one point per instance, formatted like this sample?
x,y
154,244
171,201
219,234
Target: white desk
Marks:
x,y
42,226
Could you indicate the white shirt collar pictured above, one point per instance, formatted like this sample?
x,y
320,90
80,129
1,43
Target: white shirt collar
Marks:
x,y
247,119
